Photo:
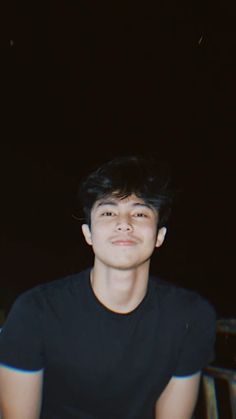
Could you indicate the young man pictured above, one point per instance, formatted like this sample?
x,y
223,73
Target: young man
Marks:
x,y
111,342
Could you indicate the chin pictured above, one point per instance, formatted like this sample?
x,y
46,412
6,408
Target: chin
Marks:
x,y
122,266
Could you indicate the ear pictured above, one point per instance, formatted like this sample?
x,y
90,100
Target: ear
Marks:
x,y
161,236
87,233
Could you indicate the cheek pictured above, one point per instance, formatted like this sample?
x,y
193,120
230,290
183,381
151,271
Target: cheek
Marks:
x,y
153,238
150,231
97,236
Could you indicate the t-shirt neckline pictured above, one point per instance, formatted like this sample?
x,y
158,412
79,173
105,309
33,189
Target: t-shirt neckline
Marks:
x,y
103,308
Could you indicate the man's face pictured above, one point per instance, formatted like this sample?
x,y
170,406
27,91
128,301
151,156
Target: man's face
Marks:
x,y
123,232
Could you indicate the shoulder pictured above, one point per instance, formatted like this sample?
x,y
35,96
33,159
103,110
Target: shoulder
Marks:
x,y
66,287
183,303
191,320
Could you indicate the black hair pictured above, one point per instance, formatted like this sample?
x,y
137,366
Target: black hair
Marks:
x,y
123,176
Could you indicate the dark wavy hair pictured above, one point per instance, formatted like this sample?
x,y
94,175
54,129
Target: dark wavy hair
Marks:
x,y
126,175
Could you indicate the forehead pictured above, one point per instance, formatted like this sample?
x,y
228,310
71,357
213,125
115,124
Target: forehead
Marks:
x,y
129,201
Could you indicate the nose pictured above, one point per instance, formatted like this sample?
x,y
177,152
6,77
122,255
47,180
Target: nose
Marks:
x,y
124,225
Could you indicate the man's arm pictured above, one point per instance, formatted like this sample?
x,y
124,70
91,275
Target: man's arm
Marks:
x,y
179,398
20,393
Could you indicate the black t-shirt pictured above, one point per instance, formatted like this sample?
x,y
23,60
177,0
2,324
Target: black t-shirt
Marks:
x,y
99,364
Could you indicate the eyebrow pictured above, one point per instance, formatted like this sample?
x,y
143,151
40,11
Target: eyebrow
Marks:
x,y
115,203
101,203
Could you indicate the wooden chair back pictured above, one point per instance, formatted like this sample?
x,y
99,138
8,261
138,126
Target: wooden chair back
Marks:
x,y
217,395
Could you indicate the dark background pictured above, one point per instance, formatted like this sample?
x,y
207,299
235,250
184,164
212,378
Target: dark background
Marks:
x,y
85,81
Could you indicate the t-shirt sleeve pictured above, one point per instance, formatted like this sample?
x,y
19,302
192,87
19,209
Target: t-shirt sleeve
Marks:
x,y
198,346
21,342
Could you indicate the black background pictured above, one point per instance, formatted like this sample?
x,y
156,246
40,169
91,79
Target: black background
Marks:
x,y
85,81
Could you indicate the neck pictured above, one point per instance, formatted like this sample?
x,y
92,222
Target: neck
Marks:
x,y
120,290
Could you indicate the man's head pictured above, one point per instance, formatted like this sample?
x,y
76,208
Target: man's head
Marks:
x,y
125,176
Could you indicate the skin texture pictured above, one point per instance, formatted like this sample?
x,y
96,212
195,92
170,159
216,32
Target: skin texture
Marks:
x,y
20,394
123,235
179,398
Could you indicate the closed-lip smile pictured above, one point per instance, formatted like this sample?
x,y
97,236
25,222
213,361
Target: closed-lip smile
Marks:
x,y
124,242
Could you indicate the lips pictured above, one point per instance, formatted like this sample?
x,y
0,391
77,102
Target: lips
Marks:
x,y
124,242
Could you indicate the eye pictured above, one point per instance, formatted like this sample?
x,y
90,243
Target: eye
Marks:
x,y
140,215
107,214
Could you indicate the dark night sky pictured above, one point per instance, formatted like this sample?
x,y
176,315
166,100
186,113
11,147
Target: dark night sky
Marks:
x,y
84,81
